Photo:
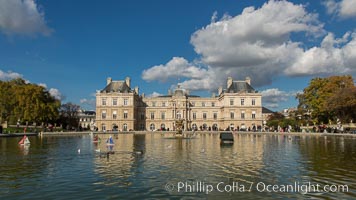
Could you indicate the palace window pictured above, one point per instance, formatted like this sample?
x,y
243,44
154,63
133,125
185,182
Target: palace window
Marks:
x,y
231,102
124,127
126,102
204,115
114,114
253,114
215,115
232,115
126,114
163,104
103,102
152,115
114,102
194,115
242,102
243,115
153,104
103,114
163,115
212,104
103,127
152,127
203,104
253,102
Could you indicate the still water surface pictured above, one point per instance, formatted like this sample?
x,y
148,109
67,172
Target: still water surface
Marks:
x,y
52,168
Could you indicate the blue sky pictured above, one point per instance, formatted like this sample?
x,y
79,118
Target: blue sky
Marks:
x,y
71,47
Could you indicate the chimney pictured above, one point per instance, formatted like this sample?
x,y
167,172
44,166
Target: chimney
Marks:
x,y
220,90
229,82
136,89
108,81
248,80
128,81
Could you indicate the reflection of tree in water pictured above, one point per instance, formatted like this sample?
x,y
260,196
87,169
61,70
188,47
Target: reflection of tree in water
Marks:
x,y
19,161
330,159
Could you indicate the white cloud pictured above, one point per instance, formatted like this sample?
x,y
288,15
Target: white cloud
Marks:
x,y
343,8
43,85
258,43
154,94
22,17
88,103
272,97
56,93
334,56
176,67
255,43
4,76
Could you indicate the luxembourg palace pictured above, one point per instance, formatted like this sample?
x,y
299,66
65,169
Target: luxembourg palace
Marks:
x,y
121,108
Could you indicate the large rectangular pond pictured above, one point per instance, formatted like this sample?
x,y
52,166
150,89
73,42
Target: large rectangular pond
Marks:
x,y
156,166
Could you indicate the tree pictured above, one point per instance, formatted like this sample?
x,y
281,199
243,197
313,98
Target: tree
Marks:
x,y
343,104
27,102
316,97
69,115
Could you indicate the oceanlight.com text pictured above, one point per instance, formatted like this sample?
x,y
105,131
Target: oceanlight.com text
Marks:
x,y
236,187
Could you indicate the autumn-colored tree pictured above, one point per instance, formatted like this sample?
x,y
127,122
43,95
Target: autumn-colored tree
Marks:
x,y
317,97
343,104
27,102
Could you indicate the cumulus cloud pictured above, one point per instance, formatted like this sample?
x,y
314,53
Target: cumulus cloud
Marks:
x,y
334,56
56,94
22,17
176,67
258,43
343,8
272,97
255,43
154,94
5,76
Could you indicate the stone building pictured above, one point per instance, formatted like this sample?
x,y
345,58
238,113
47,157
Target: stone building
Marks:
x,y
121,108
87,119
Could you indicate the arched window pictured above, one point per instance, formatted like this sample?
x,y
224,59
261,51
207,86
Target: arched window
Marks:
x,y
232,127
124,127
152,127
215,127
114,127
194,127
163,127
103,127
205,126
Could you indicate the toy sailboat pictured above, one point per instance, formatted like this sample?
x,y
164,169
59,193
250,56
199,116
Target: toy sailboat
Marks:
x,y
96,139
24,141
110,141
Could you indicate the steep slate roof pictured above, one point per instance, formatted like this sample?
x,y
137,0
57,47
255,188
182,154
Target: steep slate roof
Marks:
x,y
116,86
266,110
240,86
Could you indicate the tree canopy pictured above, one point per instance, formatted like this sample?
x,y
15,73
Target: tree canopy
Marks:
x,y
27,102
328,98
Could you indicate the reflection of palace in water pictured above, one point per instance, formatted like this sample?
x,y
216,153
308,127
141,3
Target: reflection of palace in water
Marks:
x,y
119,107
179,158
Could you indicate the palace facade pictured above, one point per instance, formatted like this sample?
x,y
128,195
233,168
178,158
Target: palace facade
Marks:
x,y
121,108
